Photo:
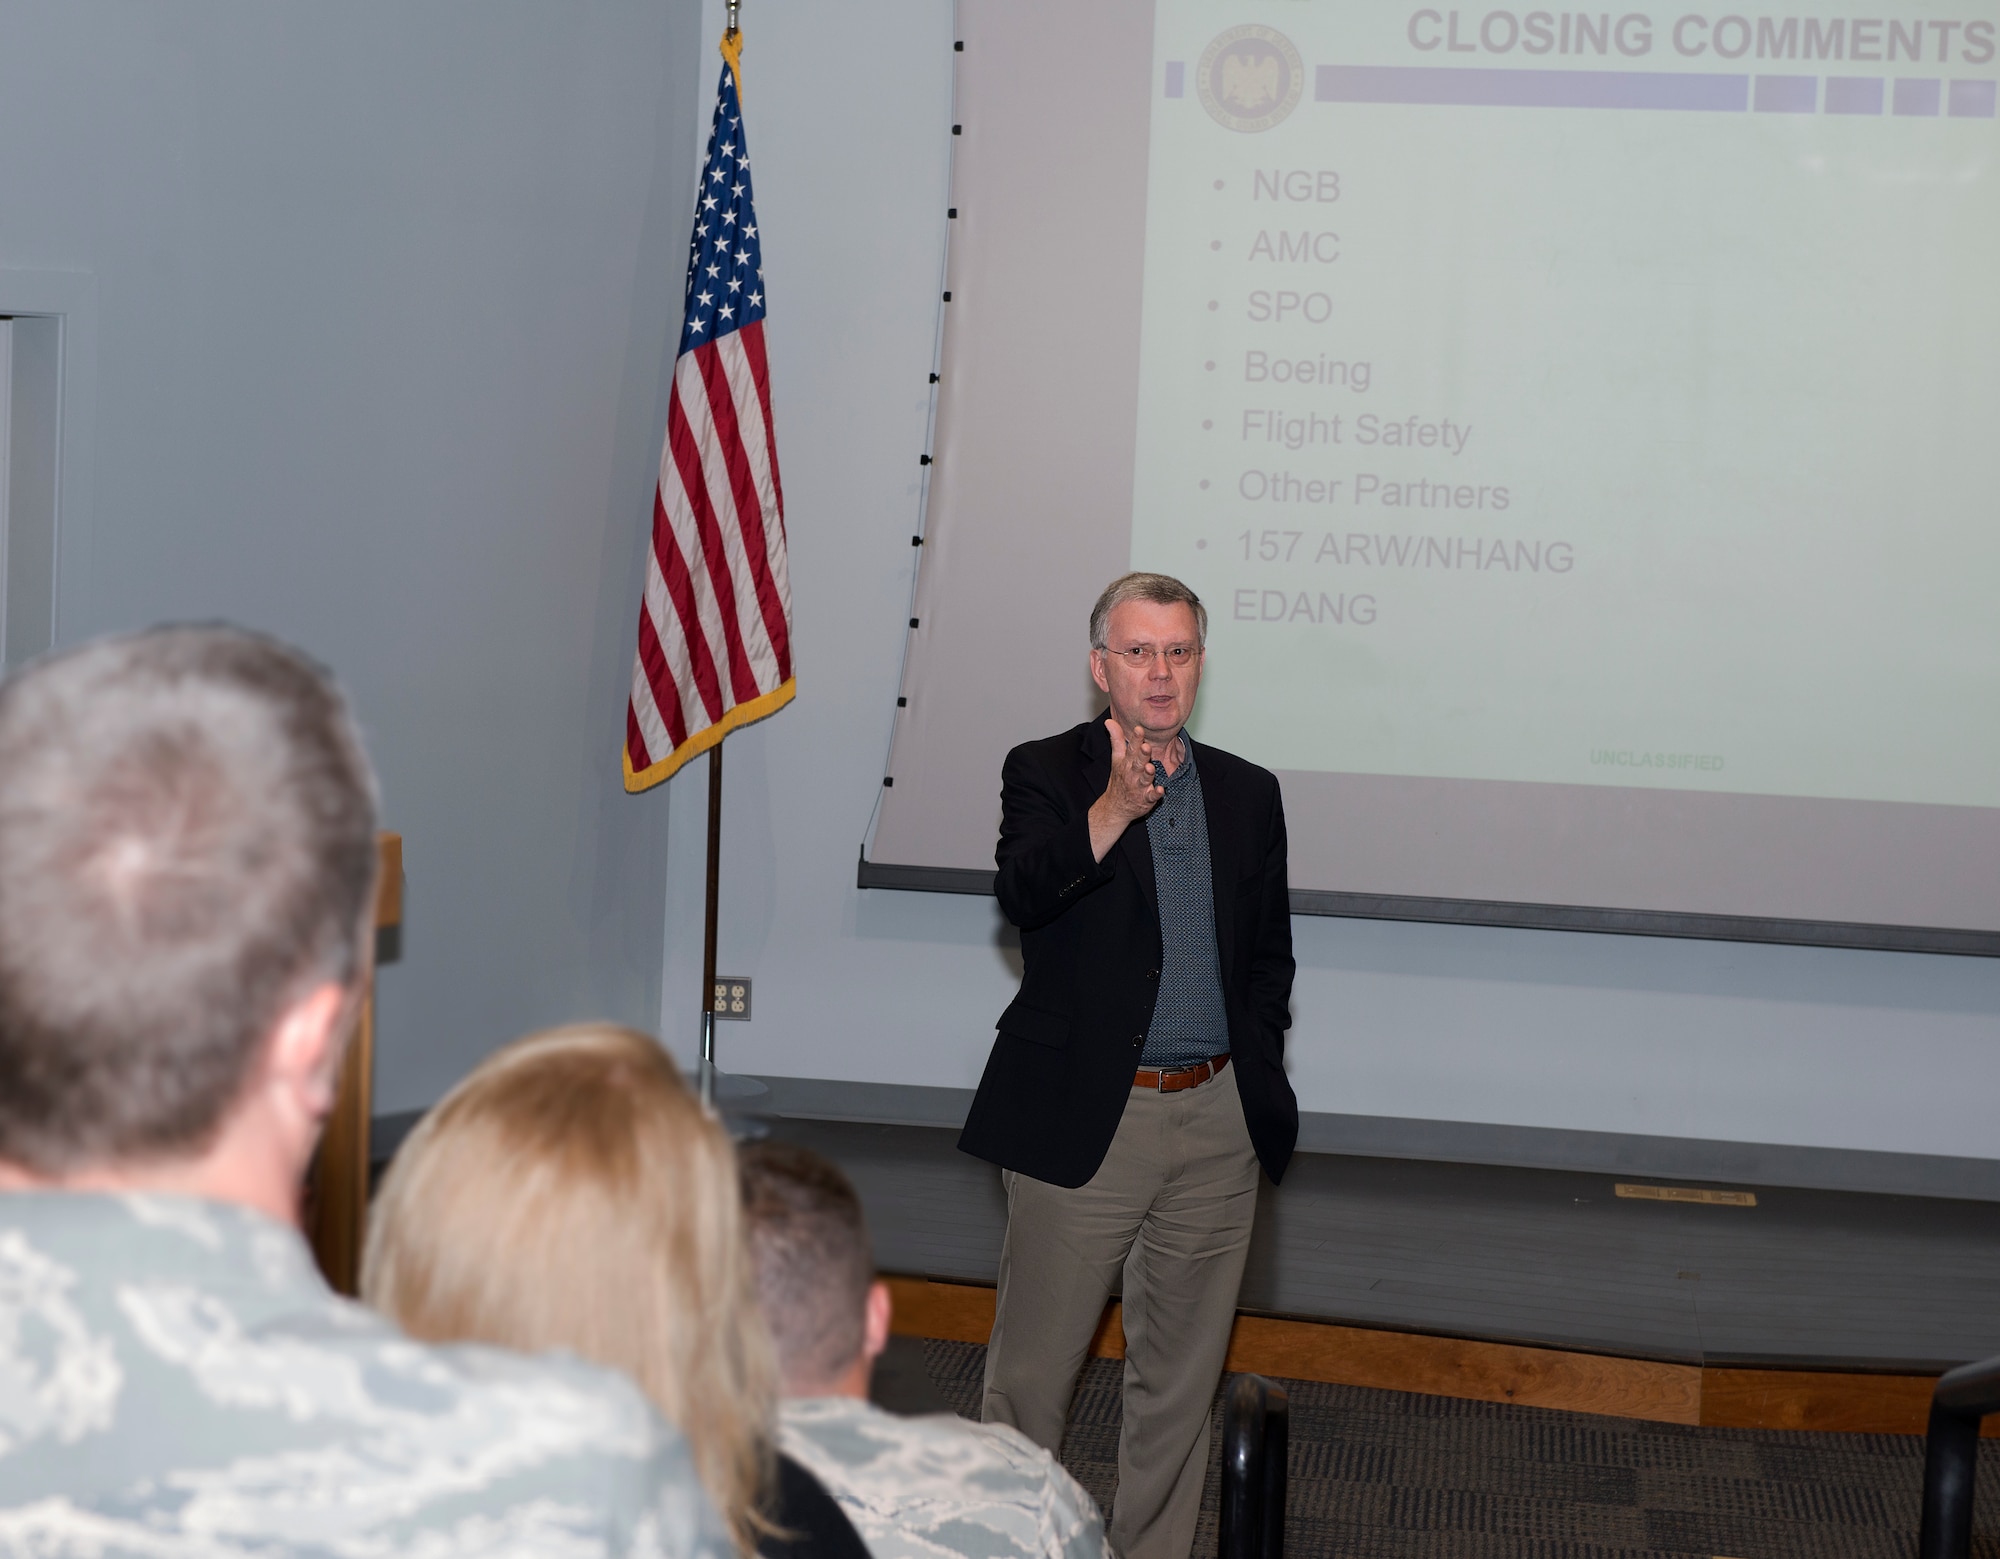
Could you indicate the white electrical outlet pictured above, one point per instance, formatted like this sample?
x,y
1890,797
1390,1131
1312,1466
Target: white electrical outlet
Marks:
x,y
732,998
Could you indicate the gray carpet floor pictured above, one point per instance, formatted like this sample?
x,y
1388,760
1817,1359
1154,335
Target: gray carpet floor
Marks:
x,y
1393,1475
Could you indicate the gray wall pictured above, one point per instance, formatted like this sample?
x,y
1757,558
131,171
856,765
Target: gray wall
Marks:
x,y
370,312
849,123
373,304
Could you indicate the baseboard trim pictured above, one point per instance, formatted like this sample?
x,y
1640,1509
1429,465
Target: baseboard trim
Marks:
x,y
1473,1142
1494,1372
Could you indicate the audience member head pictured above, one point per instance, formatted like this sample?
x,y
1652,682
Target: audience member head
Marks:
x,y
187,878
571,1193
815,1272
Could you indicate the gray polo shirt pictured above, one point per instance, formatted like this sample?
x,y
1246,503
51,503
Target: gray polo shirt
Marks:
x,y
1190,1022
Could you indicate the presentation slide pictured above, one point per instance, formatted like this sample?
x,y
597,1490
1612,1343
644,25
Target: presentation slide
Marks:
x,y
1602,398
1583,427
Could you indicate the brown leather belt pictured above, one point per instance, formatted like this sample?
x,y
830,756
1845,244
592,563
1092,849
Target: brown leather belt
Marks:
x,y
1175,1078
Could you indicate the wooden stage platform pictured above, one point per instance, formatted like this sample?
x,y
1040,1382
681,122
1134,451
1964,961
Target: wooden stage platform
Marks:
x,y
1807,1310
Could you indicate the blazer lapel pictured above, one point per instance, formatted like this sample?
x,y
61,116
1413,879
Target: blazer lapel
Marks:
x,y
1224,858
1093,751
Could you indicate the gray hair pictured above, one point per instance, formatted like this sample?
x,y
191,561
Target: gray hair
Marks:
x,y
1160,589
187,844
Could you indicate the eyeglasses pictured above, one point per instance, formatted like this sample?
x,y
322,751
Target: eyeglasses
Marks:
x,y
1141,656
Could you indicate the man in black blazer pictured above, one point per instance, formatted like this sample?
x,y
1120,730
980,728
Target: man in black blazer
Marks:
x,y
1137,1080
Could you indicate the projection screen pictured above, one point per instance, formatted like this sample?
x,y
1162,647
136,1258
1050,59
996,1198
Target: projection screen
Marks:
x,y
1582,427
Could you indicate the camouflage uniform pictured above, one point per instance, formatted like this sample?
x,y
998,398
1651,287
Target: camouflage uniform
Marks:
x,y
938,1486
176,1379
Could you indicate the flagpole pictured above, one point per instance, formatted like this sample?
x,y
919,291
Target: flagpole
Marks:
x,y
710,912
708,929
718,439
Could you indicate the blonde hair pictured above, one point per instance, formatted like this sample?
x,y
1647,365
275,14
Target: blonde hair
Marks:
x,y
571,1193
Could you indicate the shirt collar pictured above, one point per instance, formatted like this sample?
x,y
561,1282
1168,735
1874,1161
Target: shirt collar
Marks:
x,y
1185,770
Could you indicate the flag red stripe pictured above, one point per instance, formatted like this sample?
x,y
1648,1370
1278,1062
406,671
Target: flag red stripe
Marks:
x,y
749,505
635,744
680,590
691,462
660,681
753,349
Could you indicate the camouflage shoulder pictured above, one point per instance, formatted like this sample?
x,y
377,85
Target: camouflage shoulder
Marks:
x,y
653,1501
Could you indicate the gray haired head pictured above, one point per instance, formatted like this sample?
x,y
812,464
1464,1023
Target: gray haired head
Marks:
x,y
1160,589
187,847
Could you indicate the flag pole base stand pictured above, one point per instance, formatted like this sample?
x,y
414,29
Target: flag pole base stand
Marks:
x,y
740,1102
731,1090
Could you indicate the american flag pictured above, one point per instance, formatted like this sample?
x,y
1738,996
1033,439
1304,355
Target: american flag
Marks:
x,y
715,630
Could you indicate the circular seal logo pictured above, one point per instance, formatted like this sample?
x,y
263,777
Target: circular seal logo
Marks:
x,y
1250,78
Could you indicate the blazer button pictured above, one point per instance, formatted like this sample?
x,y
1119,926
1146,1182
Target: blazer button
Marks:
x,y
1138,1041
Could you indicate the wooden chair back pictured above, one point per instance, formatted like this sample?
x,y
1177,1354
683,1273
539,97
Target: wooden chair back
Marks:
x,y
337,1185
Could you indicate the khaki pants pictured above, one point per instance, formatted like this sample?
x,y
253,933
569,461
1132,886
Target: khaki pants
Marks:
x,y
1172,1205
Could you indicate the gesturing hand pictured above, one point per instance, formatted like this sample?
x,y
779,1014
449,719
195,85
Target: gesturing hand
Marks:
x,y
1129,794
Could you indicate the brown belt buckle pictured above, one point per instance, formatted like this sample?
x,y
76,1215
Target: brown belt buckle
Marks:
x,y
1185,1077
